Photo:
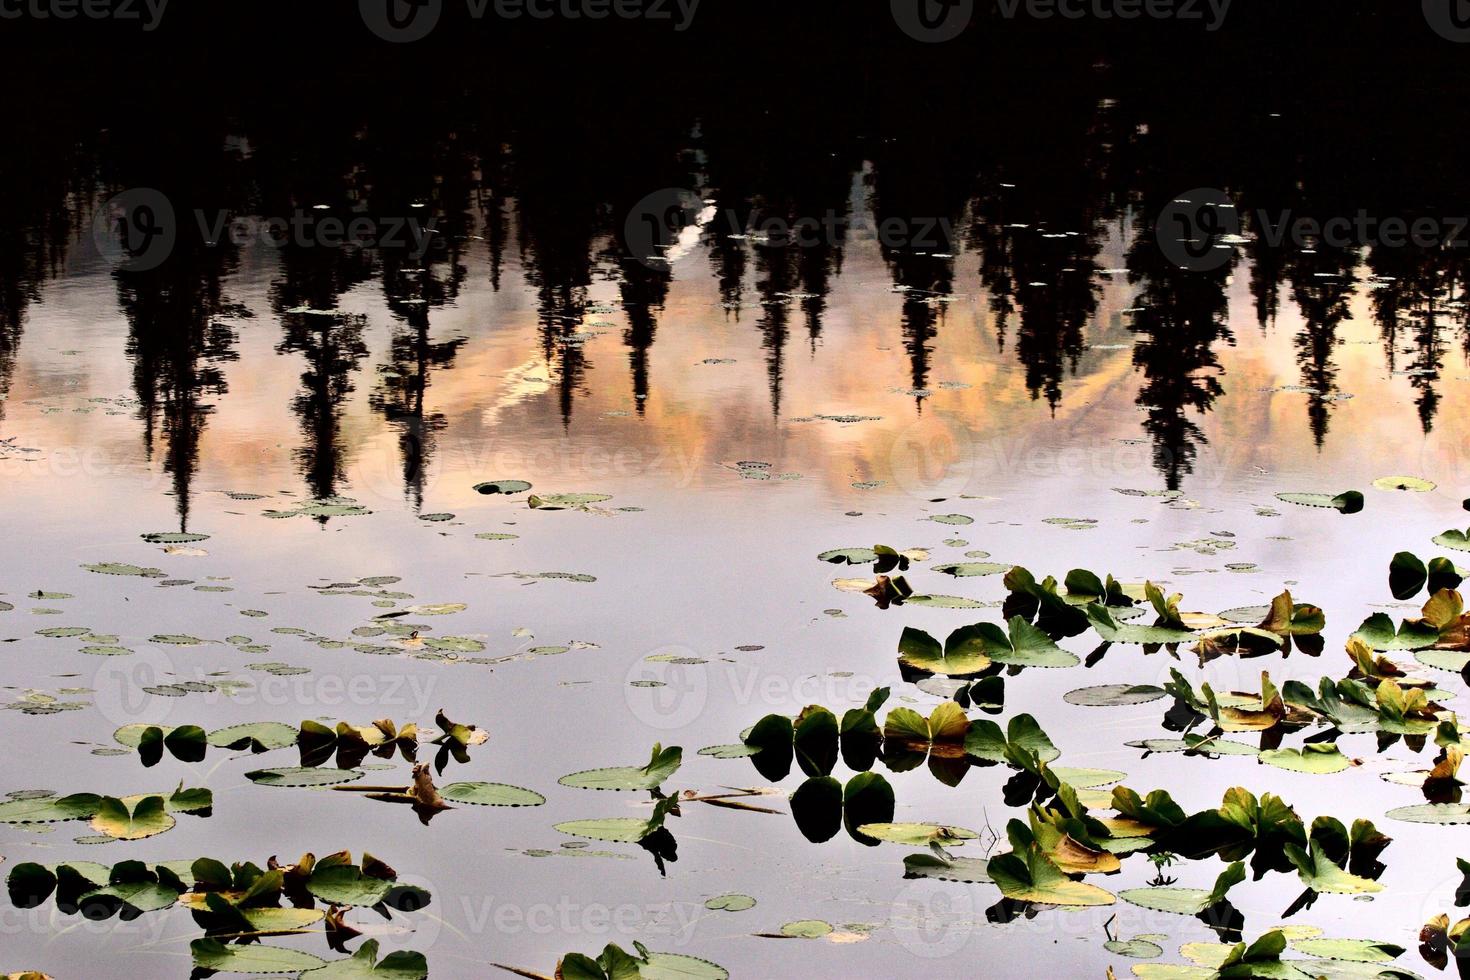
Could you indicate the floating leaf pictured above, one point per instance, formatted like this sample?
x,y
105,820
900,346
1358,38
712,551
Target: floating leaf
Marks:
x,y
118,568
1458,540
806,929
1410,483
173,537
304,776
211,954
146,818
1114,695
1035,878
665,763
502,487
1317,758
946,868
972,569
729,903
917,834
491,794
1435,813
566,501
1350,502
1355,950
365,965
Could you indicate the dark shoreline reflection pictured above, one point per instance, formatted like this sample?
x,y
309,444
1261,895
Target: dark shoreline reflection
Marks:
x,y
1085,150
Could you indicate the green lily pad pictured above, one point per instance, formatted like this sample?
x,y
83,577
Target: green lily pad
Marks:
x,y
943,602
1410,483
1458,540
566,501
1137,949
78,806
618,830
1355,950
1350,502
1087,778
502,487
849,556
257,736
917,834
807,929
1435,813
211,954
365,965
665,763
491,794
957,520
931,865
173,537
730,903
972,569
1113,695
1035,878
118,568
304,776
146,818
1316,758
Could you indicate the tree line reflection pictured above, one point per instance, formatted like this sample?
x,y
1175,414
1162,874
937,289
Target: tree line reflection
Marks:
x,y
1030,209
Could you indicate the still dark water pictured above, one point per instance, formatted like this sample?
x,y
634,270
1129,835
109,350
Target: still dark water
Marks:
x,y
766,316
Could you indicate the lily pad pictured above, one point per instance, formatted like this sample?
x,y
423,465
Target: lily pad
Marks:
x,y
146,818
365,965
304,776
491,794
211,954
729,903
502,487
119,568
1350,502
1410,483
1316,758
807,929
917,834
173,537
566,501
1113,695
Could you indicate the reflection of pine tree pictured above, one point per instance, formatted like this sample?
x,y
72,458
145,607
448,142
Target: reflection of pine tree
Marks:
x,y
909,194
38,169
413,292
1415,292
1323,284
314,278
1047,271
1182,316
176,345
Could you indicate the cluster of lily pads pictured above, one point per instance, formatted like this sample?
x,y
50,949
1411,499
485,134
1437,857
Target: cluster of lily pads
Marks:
x,y
240,904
